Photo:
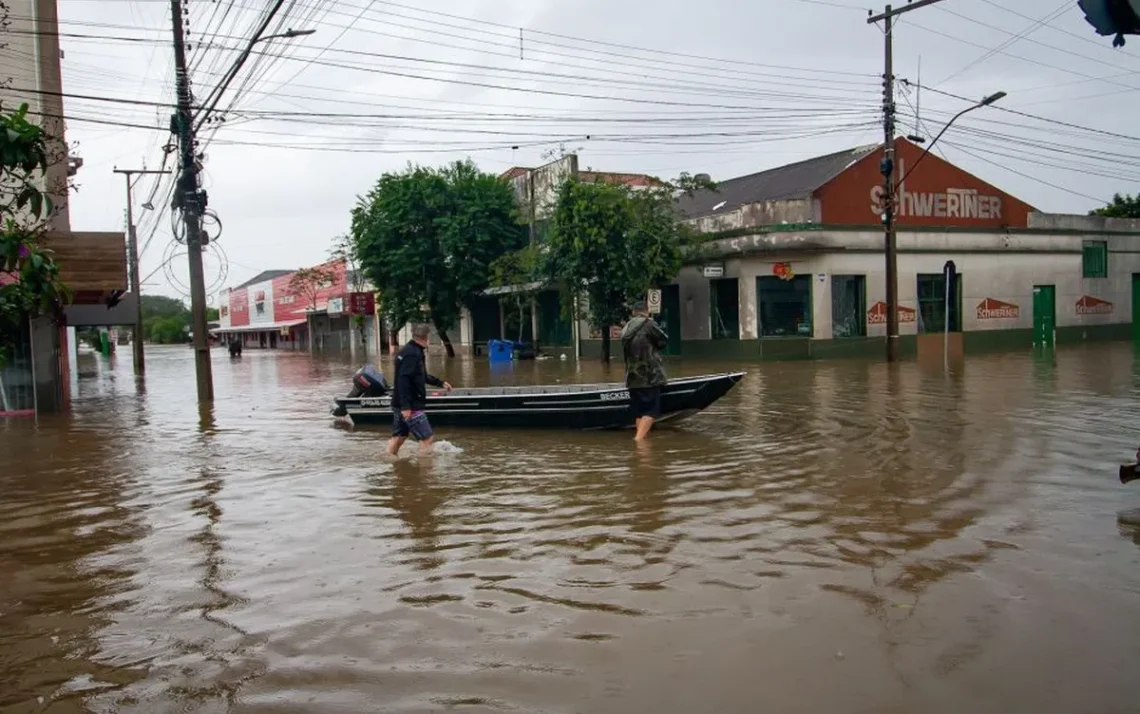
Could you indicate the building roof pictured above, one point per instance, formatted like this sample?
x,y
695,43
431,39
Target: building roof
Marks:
x,y
797,180
262,277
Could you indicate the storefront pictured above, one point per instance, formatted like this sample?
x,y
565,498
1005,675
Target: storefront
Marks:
x,y
794,266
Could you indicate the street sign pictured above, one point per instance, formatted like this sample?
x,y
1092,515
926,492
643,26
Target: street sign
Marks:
x,y
713,271
654,302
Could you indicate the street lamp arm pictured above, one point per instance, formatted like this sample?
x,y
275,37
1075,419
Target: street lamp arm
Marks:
x,y
984,103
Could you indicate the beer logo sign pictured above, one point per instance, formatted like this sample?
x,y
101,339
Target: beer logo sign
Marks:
x,y
991,309
1089,305
877,315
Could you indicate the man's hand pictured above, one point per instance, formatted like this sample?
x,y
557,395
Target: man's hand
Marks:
x,y
447,386
407,413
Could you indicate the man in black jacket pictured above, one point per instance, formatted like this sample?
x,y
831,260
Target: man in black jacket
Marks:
x,y
409,398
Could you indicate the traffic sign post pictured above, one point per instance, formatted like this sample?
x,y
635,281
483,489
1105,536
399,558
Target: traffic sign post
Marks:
x,y
653,300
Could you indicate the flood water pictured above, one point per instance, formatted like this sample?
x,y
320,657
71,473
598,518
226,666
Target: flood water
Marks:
x,y
831,537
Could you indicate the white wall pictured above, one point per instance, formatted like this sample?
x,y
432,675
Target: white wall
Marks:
x,y
997,266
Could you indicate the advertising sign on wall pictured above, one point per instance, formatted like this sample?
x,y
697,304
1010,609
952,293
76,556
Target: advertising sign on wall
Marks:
x,y
991,309
877,315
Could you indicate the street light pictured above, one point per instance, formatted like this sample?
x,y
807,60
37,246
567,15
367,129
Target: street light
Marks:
x,y
286,35
996,96
216,95
889,221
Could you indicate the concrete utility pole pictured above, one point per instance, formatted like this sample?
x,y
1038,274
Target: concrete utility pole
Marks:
x,y
133,250
191,200
888,170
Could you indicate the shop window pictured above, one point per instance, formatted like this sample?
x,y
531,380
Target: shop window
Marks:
x,y
784,306
1094,259
848,306
724,309
932,303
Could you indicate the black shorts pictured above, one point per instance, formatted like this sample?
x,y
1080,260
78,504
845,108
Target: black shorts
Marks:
x,y
645,402
416,425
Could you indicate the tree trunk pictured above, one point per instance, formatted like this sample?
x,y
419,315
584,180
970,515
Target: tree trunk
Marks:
x,y
445,339
606,344
519,303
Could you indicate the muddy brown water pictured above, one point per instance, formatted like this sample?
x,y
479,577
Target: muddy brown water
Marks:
x,y
831,537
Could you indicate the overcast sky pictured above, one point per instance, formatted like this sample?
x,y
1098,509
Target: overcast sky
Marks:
x,y
726,88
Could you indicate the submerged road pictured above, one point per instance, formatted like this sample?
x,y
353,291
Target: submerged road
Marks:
x,y
830,537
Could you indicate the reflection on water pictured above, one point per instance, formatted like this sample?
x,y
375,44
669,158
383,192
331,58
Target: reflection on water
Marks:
x,y
839,536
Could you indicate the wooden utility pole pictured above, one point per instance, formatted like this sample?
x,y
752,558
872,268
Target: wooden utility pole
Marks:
x,y
191,200
133,250
888,169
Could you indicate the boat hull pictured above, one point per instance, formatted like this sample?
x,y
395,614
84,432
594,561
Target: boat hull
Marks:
x,y
601,406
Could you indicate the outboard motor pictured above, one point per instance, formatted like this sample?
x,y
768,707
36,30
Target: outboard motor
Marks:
x,y
367,382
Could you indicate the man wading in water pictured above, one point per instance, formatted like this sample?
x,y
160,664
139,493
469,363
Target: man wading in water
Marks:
x,y
409,398
642,341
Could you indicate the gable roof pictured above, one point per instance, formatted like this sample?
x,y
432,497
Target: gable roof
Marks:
x,y
797,180
262,277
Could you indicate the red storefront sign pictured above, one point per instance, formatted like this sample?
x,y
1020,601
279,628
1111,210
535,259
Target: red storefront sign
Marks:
x,y
362,303
877,315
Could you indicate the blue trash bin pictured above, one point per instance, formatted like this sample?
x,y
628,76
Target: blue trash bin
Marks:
x,y
499,350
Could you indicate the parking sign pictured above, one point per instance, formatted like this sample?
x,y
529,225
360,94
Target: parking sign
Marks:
x,y
654,302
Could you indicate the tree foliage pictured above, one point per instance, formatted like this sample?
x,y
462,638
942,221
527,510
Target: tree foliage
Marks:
x,y
1125,206
616,243
29,276
308,283
520,270
426,239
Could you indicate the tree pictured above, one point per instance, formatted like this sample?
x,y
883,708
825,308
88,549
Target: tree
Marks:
x,y
616,243
344,249
426,239
521,271
1125,206
29,277
308,283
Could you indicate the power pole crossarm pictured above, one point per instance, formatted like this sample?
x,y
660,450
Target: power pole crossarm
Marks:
x,y
133,249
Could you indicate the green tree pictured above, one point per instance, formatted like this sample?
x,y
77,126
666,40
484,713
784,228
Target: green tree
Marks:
x,y
426,239
344,249
29,277
520,270
615,243
1125,206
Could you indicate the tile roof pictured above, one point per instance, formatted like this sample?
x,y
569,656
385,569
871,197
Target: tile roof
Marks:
x,y
262,277
797,180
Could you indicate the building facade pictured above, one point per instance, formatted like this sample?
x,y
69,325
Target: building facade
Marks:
x,y
794,265
268,312
92,265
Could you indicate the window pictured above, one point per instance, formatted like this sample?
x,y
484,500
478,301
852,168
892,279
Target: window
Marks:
x,y
1094,259
932,303
848,306
784,306
724,309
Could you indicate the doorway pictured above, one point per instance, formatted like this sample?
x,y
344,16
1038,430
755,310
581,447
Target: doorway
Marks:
x,y
1045,314
670,317
1136,307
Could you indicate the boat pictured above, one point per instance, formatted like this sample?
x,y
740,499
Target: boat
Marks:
x,y
561,406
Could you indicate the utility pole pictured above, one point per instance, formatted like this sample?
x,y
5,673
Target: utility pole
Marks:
x,y
133,249
192,202
888,170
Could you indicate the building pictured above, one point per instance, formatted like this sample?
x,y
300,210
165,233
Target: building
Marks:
x,y
493,316
794,265
268,312
93,265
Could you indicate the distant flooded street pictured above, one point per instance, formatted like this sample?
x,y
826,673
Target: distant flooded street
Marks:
x,y
830,537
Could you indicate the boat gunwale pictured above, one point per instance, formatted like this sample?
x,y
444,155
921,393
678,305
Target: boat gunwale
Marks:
x,y
585,390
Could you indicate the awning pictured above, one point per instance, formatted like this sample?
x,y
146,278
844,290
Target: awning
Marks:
x,y
266,327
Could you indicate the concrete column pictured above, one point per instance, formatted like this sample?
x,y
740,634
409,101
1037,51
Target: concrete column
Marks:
x,y
46,361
